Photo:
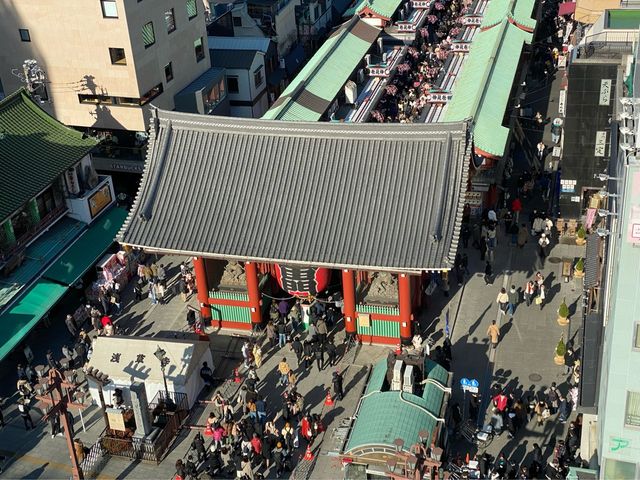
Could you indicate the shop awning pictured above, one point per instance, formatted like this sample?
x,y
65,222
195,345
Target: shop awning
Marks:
x,y
87,249
16,323
566,8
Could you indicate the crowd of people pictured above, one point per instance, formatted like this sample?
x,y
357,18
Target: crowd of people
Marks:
x,y
406,95
246,436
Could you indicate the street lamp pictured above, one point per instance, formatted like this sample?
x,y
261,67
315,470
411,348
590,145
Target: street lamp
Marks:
x,y
603,177
161,355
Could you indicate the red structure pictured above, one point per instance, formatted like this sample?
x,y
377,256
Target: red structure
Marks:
x,y
304,213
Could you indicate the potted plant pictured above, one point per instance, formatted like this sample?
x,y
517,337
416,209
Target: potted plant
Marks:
x,y
563,314
581,237
561,350
578,270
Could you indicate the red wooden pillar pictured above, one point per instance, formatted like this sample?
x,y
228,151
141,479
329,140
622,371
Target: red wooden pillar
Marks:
x,y
203,287
255,302
349,299
404,300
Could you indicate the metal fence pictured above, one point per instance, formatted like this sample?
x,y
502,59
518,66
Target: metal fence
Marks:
x,y
608,44
170,411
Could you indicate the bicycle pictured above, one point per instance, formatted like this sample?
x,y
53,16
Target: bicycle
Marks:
x,y
472,434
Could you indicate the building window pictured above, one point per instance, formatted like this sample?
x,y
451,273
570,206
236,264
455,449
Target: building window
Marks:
x,y
232,84
109,8
636,336
192,9
24,35
632,411
257,77
199,49
168,72
237,21
46,202
619,469
117,56
170,20
151,94
96,99
148,35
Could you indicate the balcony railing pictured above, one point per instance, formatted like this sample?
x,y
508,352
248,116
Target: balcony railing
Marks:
x,y
32,232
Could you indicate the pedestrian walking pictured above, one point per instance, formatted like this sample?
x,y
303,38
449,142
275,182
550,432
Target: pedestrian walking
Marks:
x,y
514,298
318,354
543,245
332,353
296,346
257,355
283,370
25,413
336,381
137,290
70,322
493,332
322,330
271,334
529,292
282,334
542,295
542,412
503,301
516,208
153,292
488,274
465,234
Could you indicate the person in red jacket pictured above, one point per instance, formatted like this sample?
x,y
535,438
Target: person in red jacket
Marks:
x,y
516,208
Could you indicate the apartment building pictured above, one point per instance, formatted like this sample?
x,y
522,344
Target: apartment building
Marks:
x,y
104,61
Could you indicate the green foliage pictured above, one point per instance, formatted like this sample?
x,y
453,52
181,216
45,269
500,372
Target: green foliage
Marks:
x,y
563,311
580,265
561,349
582,232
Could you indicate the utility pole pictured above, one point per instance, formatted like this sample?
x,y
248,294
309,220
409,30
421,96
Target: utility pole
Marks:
x,y
60,402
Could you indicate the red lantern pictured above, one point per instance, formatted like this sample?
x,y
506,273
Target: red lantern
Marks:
x,y
302,281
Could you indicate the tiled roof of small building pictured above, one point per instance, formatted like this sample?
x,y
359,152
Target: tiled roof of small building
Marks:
x,y
34,150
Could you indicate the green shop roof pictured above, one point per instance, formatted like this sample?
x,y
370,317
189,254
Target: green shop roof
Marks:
x,y
90,246
311,92
386,415
34,150
517,11
384,8
482,89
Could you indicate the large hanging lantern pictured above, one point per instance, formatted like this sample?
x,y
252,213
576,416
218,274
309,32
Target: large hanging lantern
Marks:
x,y
302,281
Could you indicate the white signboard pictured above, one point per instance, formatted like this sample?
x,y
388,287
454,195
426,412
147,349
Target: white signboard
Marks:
x,y
568,186
471,20
439,97
460,47
601,143
556,151
605,91
562,102
575,199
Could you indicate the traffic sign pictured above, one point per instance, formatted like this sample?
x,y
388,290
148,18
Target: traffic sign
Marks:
x,y
469,385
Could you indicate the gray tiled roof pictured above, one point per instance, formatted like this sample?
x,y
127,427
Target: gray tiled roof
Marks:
x,y
370,196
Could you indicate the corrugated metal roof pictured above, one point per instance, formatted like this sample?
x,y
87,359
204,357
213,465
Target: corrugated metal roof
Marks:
x,y
35,149
385,416
519,11
259,44
482,89
204,80
384,8
240,59
326,72
592,261
379,196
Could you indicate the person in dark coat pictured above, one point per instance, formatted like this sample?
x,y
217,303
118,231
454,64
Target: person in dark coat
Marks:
x,y
488,274
296,346
318,354
332,353
337,385
70,322
198,446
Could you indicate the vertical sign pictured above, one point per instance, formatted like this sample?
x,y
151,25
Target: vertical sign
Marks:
x,y
601,143
562,102
605,91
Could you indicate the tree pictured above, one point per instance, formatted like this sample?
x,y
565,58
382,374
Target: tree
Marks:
x,y
563,310
561,349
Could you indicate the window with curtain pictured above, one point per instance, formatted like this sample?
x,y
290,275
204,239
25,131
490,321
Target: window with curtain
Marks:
x,y
632,412
192,9
148,35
